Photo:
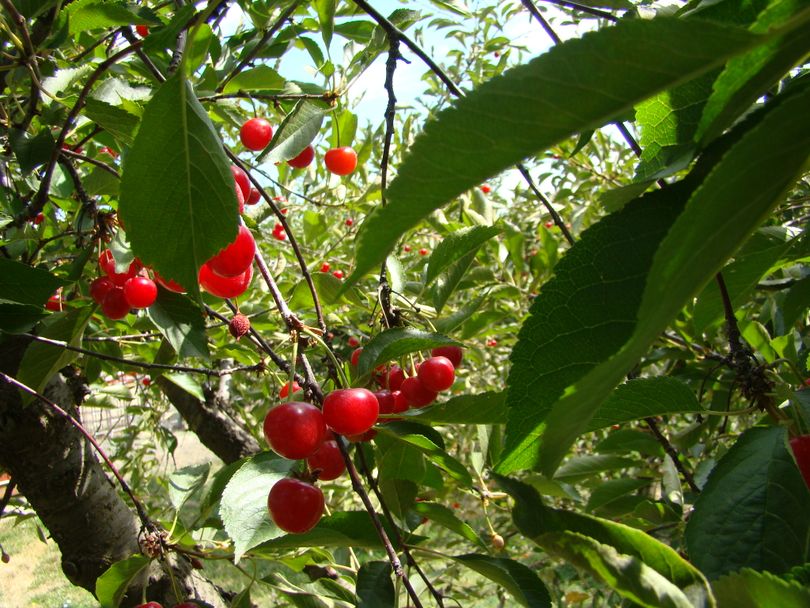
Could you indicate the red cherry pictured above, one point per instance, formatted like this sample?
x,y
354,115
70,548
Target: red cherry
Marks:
x,y
284,391
169,284
295,505
454,353
242,180
54,303
492,342
406,248
99,288
255,196
234,259
386,400
186,605
256,133
367,436
224,287
150,605
349,222
338,274
328,460
115,305
356,356
107,263
353,342
549,224
390,378
423,251
417,394
303,159
437,374
40,217
143,30
400,402
325,267
340,161
294,429
240,198
108,151
147,381
485,189
350,411
801,451
140,292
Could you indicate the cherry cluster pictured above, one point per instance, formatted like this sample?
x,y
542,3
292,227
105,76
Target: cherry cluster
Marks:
x,y
119,292
159,605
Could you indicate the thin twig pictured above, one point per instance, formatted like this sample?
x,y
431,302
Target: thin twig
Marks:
x,y
92,161
126,32
12,484
673,454
145,521
584,9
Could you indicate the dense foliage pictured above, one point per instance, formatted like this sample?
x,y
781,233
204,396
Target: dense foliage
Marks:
x,y
629,423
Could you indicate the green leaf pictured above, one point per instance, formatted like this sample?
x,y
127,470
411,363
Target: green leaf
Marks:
x,y
627,575
524,585
296,131
326,17
23,284
446,284
374,586
437,455
31,151
177,193
581,467
112,585
343,129
455,319
485,408
644,398
397,342
735,197
402,461
184,482
532,106
796,302
181,322
243,508
261,78
187,383
752,512
42,361
97,14
630,440
613,489
457,245
534,519
17,318
746,77
750,589
446,518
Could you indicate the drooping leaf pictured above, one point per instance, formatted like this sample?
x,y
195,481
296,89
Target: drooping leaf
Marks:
x,y
112,585
578,468
187,383
177,193
750,589
397,342
446,283
519,580
243,508
181,322
261,78
23,284
643,398
614,489
446,518
766,154
184,482
374,586
438,456
296,131
326,17
752,512
457,245
534,519
537,104
485,408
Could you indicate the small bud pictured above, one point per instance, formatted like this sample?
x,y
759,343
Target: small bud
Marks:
x,y
5,557
239,326
498,543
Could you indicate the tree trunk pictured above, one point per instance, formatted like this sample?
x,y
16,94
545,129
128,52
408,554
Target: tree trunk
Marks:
x,y
57,471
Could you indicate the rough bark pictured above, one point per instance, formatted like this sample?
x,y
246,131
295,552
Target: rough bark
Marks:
x,y
58,473
212,421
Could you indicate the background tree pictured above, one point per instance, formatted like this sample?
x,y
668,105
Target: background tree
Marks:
x,y
614,232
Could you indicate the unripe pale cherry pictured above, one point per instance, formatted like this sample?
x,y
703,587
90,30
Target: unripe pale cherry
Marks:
x,y
294,429
350,411
140,292
437,373
327,461
224,287
295,505
234,259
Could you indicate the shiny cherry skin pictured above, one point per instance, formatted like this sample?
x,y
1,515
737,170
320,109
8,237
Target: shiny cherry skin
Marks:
x,y
54,303
454,353
295,505
391,378
294,429
256,133
99,288
143,30
341,161
304,159
234,259
400,402
417,394
140,292
353,342
338,274
149,605
169,284
356,356
284,391
242,180
224,287
350,411
386,400
801,451
437,374
423,251
115,305
255,196
107,263
325,267
327,461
